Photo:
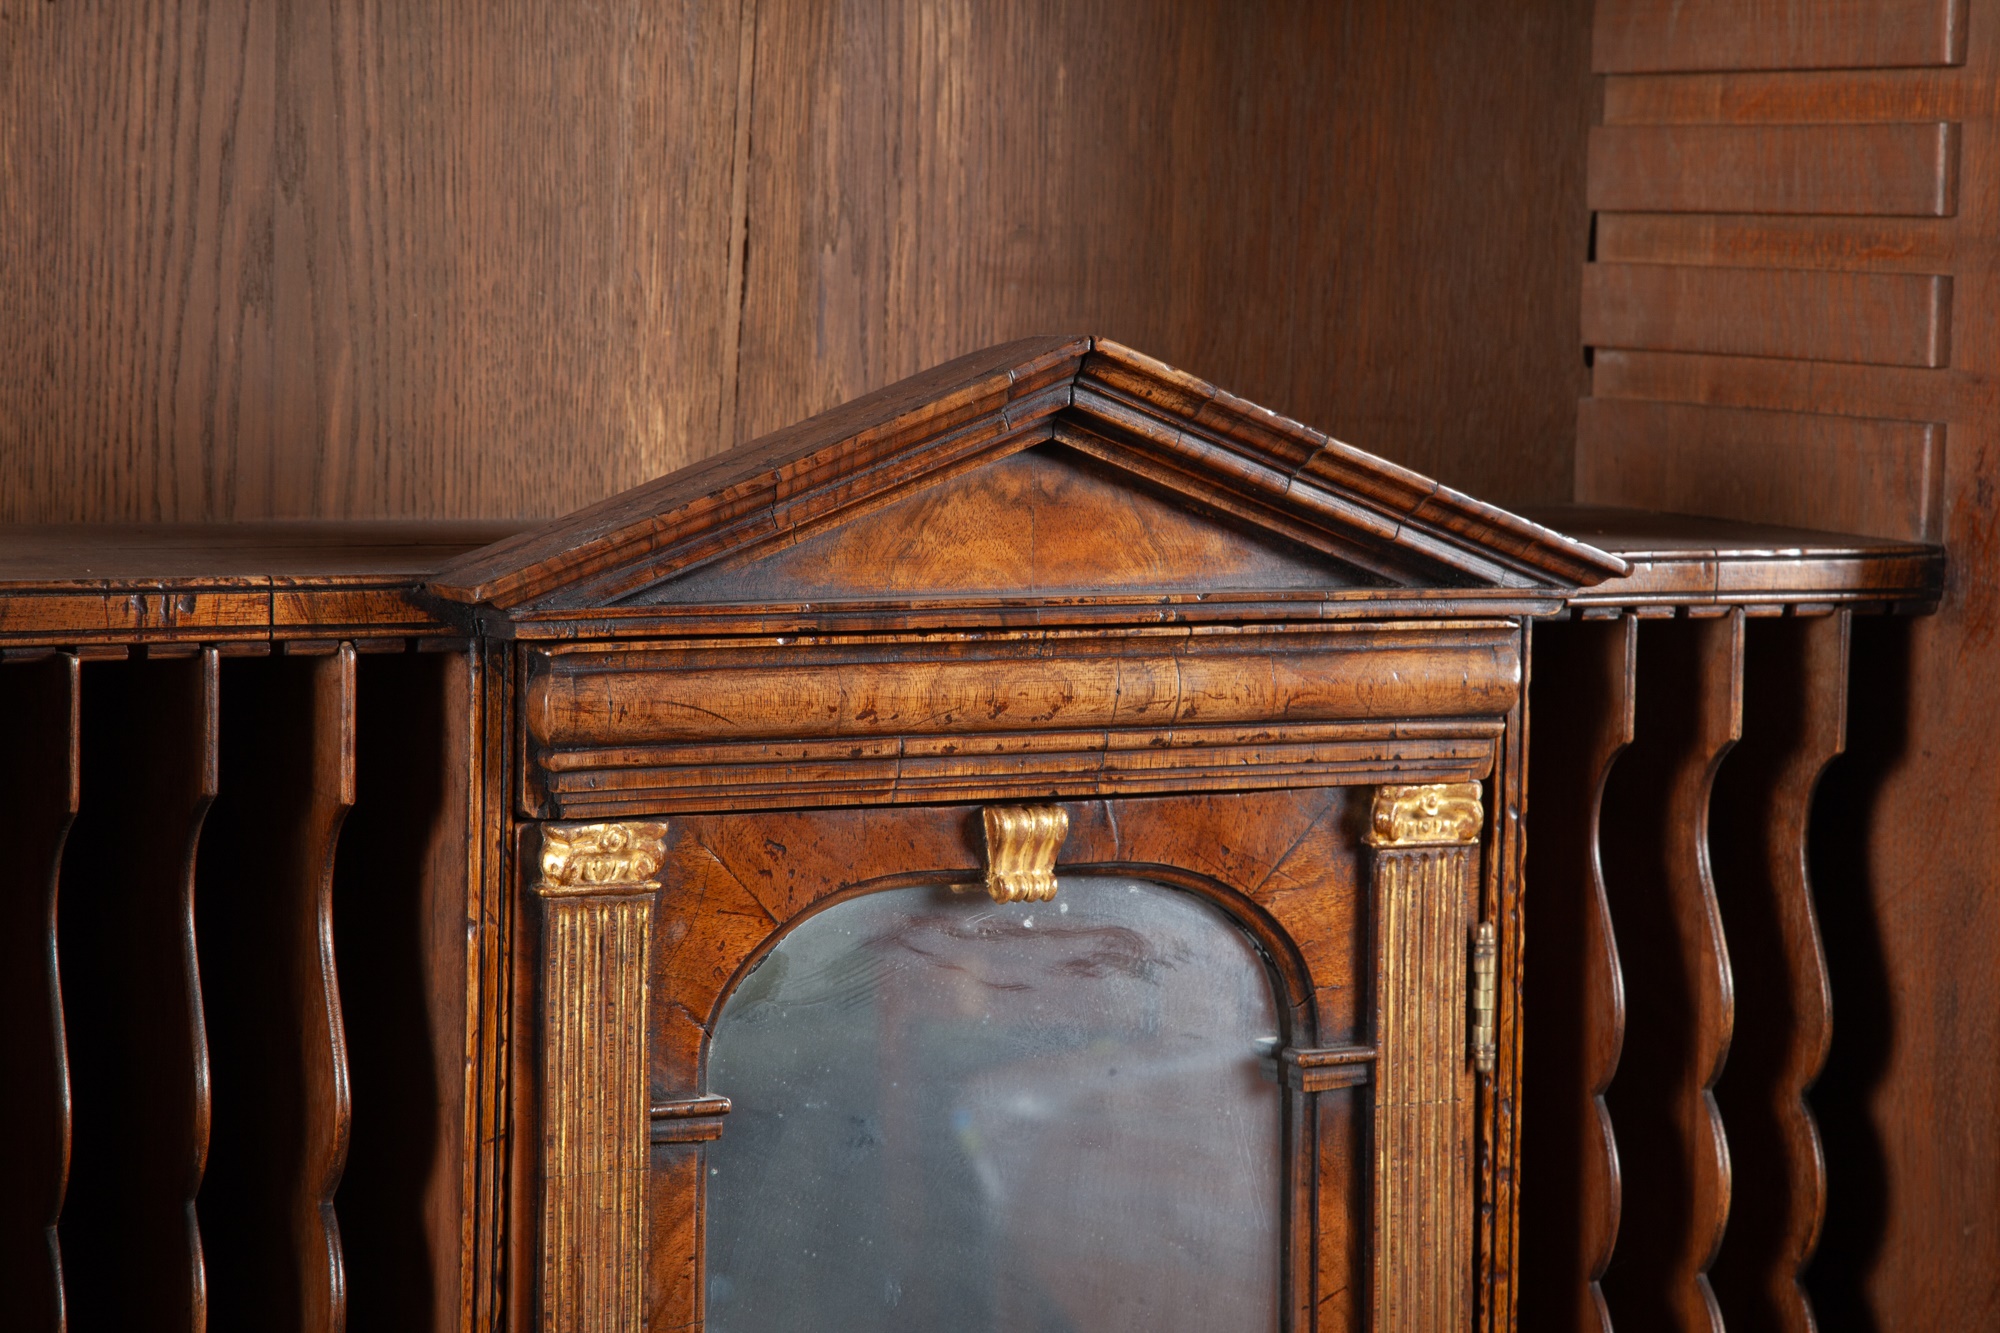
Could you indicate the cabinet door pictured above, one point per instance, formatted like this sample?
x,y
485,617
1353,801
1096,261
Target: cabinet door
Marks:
x,y
802,1071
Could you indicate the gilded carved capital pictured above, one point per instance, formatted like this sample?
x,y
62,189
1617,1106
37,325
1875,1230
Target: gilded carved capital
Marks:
x,y
1437,814
601,859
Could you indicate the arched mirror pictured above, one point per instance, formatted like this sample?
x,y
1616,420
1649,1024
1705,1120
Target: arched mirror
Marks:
x,y
1023,1118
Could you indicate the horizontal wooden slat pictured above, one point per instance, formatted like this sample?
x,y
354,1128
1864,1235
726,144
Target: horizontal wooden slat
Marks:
x,y
1849,243
1890,319
1880,170
1832,388
1860,95
1879,478
1663,35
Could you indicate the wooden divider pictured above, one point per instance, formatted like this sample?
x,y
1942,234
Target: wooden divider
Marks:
x,y
1582,704
38,797
132,1002
402,927
1678,985
263,916
1795,712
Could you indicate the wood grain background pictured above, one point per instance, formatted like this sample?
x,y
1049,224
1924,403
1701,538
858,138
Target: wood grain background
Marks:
x,y
263,258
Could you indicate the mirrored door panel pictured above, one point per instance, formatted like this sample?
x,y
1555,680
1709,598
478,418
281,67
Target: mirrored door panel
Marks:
x,y
1023,1117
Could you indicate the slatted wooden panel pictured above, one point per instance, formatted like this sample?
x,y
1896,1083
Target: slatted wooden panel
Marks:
x,y
38,799
1704,1183
1779,241
181,991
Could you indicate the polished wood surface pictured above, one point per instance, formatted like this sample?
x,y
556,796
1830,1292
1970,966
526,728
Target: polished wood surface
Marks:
x,y
238,584
1682,561
381,262
1876,319
904,719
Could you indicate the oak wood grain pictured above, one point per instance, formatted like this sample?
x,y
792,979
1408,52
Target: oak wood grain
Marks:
x,y
132,999
381,261
39,791
1573,991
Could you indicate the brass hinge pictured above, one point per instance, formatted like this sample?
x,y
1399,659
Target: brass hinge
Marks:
x,y
1485,994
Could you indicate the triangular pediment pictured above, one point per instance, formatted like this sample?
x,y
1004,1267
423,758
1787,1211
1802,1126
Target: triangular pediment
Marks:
x,y
1044,522
1048,468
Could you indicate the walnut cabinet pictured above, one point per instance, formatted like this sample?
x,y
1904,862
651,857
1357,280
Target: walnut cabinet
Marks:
x,y
885,791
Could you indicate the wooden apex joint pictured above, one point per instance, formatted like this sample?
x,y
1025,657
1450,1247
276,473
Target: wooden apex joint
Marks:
x,y
601,859
1435,814
1021,846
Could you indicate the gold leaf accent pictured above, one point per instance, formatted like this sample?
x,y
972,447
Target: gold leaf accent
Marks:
x,y
1423,1176
1438,813
601,858
595,1121
1021,846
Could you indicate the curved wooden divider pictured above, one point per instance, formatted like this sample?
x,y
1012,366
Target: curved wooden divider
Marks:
x,y
265,918
132,998
328,1120
1583,679
1680,997
1795,723
38,799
